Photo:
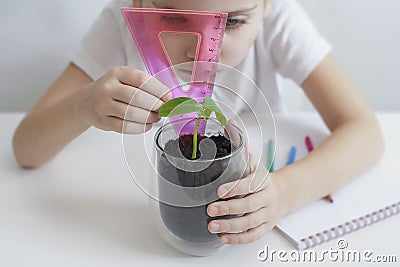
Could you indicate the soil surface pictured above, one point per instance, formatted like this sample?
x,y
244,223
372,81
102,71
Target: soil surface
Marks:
x,y
185,144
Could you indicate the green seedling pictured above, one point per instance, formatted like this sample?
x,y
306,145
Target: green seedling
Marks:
x,y
184,105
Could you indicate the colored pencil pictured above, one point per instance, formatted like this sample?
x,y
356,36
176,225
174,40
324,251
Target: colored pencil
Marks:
x,y
292,155
271,148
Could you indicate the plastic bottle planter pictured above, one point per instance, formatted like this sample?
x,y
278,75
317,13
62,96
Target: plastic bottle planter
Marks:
x,y
185,187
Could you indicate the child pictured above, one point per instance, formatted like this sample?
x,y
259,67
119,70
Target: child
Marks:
x,y
264,39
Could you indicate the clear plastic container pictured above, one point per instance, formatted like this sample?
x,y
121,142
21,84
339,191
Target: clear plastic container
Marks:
x,y
183,188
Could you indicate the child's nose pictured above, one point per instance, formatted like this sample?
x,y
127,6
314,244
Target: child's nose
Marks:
x,y
191,53
192,47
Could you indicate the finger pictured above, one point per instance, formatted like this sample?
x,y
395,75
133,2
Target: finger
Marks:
x,y
133,114
144,81
253,183
231,131
252,162
135,127
125,127
254,159
137,97
237,206
239,224
155,87
249,236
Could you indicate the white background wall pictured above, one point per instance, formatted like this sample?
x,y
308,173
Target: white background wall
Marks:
x,y
38,36
365,36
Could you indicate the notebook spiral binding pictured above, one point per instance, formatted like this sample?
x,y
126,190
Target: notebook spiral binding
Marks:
x,y
349,227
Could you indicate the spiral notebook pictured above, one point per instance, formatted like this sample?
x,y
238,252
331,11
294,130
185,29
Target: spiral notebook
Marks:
x,y
369,199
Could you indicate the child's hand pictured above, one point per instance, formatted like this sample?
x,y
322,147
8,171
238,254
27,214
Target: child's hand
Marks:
x,y
121,91
262,205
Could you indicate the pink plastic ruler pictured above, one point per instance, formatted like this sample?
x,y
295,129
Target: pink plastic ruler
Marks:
x,y
146,26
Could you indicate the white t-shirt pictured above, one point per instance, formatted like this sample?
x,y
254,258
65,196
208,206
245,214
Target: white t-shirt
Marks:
x,y
287,45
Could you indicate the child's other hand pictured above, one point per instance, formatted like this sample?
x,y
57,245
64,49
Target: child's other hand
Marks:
x,y
261,205
121,91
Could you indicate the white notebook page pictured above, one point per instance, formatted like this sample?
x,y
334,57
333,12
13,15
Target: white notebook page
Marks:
x,y
374,190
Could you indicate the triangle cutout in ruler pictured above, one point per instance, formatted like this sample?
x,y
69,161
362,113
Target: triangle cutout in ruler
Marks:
x,y
181,50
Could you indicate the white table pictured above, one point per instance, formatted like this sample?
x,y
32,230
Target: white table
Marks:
x,y
83,209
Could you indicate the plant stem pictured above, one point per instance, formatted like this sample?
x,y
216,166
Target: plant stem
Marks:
x,y
196,127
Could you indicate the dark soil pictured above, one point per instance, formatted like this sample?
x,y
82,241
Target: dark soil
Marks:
x,y
186,141
190,223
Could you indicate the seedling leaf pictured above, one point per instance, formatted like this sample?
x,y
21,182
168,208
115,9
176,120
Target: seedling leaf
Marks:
x,y
179,106
185,105
209,104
